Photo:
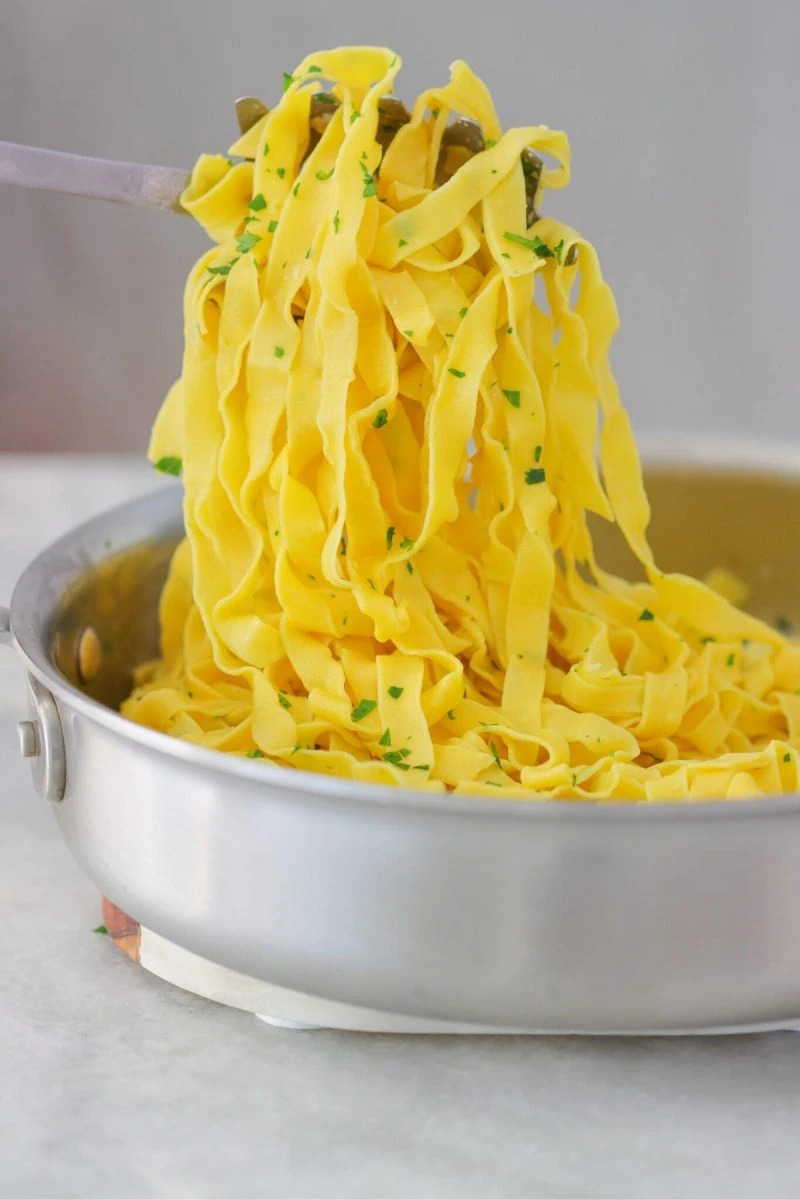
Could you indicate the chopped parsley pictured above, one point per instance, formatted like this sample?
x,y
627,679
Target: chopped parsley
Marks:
x,y
255,753
390,537
730,660
247,220
288,80
410,568
434,113
787,757
363,709
490,142
396,692
402,242
370,186
279,351
512,396
451,714
225,269
495,755
422,767
535,243
385,738
396,756
258,202
273,225
323,175
534,475
336,221
646,615
169,465
408,543
324,98
284,700
280,172
463,311
314,70
355,114
381,418
408,333
266,149
247,241
296,188
537,454
706,640
558,251
99,929
455,371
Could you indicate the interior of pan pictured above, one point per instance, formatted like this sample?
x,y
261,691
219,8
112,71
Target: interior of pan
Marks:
x,y
745,519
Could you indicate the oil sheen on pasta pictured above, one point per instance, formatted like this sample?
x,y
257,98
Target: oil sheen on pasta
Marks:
x,y
389,451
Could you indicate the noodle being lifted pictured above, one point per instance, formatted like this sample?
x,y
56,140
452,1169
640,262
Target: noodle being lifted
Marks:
x,y
388,454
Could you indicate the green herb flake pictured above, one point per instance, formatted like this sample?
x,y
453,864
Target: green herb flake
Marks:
x,y
396,692
314,70
558,251
455,371
255,753
410,568
288,80
355,114
490,142
495,755
386,738
390,537
706,640
381,418
395,757
510,330
284,700
451,714
363,709
169,465
280,172
273,225
537,454
534,475
787,757
323,175
99,929
513,397
422,767
247,220
408,333
535,243
324,98
225,269
402,242
265,151
646,615
730,660
336,221
296,188
370,186
258,203
279,351
463,311
435,113
408,543
247,241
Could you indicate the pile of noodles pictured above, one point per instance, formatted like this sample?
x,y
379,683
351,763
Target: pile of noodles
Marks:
x,y
389,448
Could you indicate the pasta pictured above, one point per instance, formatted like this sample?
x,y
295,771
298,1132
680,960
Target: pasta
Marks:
x,y
395,413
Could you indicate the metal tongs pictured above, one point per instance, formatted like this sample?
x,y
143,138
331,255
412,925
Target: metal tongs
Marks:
x,y
161,187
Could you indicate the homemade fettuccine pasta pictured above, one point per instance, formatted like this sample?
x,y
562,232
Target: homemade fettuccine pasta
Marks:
x,y
389,449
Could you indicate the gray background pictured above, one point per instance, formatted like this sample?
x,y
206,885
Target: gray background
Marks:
x,y
684,123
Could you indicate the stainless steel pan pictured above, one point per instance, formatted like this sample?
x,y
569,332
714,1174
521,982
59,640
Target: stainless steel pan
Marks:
x,y
558,917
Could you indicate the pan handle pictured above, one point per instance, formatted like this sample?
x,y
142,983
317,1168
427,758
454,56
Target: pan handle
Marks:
x,y
41,738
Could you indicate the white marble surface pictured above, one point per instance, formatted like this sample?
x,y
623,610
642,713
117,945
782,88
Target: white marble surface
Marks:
x,y
114,1084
